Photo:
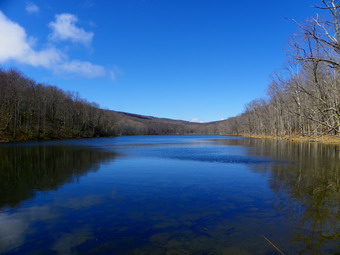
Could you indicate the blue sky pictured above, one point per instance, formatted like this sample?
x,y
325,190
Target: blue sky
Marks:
x,y
180,59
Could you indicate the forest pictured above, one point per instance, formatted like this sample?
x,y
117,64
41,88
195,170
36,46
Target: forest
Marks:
x,y
302,100
33,111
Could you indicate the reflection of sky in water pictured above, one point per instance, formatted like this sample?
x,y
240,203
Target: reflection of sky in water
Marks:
x,y
203,153
14,226
164,198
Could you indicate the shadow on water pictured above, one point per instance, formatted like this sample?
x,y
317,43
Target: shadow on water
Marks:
x,y
25,170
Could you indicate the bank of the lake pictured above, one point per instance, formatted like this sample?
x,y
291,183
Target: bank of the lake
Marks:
x,y
24,138
318,139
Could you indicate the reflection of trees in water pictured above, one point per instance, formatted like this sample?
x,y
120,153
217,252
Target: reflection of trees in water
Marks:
x,y
314,183
308,186
27,169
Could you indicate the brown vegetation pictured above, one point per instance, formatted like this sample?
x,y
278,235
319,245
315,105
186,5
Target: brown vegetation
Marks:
x,y
30,111
321,139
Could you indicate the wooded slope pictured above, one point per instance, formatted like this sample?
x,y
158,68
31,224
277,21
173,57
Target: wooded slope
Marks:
x,y
30,110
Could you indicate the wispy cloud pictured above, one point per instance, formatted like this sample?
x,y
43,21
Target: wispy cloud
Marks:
x,y
64,28
112,75
31,8
83,68
88,4
114,72
16,45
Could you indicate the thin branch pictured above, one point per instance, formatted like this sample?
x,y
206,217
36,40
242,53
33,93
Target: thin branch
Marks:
x,y
306,59
332,38
325,8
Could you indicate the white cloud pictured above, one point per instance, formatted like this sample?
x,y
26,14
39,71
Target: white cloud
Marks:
x,y
15,45
64,28
31,8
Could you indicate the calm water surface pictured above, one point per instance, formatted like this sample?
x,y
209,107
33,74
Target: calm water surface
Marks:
x,y
169,195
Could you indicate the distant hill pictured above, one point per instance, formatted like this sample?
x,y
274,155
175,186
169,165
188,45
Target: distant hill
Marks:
x,y
136,124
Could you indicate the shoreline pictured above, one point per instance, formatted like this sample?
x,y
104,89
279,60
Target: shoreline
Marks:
x,y
327,139
333,140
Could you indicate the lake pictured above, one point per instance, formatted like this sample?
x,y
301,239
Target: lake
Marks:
x,y
169,195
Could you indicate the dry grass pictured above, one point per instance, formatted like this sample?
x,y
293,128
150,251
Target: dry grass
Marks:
x,y
322,139
273,245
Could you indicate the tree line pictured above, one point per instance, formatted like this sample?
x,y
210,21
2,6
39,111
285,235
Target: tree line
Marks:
x,y
304,99
31,110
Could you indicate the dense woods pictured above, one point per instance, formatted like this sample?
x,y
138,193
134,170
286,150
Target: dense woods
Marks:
x,y
29,110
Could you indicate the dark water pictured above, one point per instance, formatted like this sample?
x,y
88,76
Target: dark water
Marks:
x,y
169,195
